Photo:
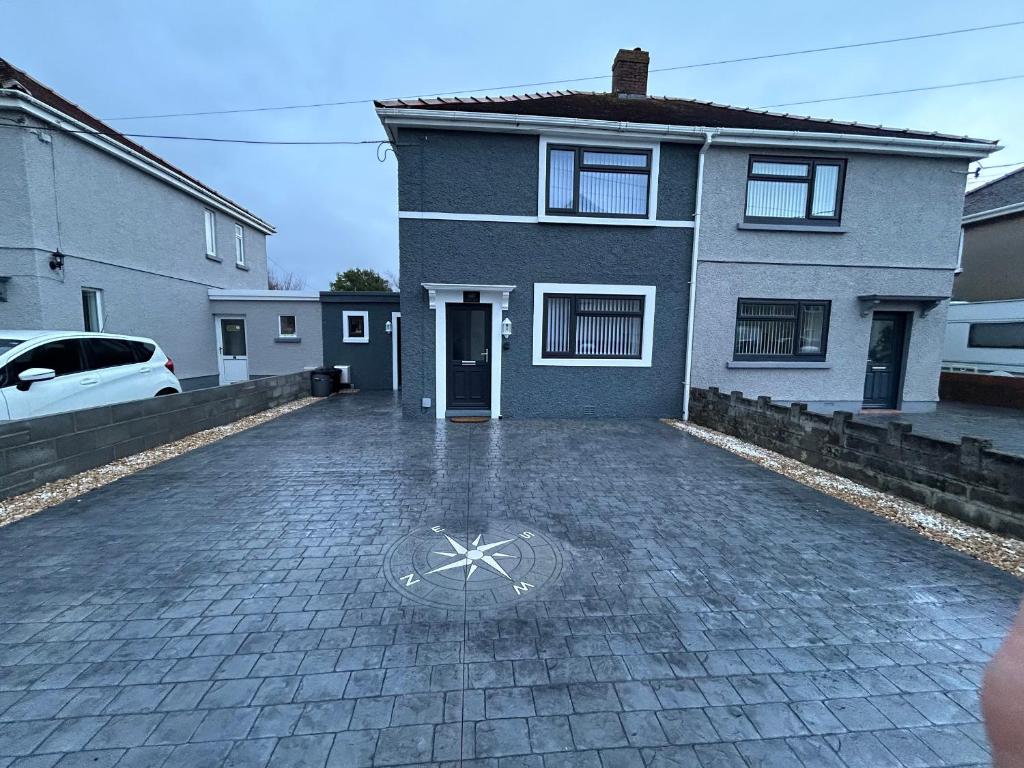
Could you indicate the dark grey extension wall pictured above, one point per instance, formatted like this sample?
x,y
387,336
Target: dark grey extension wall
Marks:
x,y
489,173
371,362
37,451
967,480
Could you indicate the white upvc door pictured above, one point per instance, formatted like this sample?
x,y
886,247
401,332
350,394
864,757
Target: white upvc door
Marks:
x,y
232,350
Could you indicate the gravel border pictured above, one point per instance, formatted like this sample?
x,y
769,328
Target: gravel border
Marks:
x,y
1004,552
51,494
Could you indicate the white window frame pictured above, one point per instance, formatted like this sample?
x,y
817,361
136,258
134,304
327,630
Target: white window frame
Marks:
x,y
610,144
280,331
239,245
647,336
345,315
210,228
98,295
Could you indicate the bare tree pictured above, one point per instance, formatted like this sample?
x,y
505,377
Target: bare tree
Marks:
x,y
284,281
393,280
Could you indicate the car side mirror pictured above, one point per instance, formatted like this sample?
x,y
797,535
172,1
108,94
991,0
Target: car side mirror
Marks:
x,y
30,375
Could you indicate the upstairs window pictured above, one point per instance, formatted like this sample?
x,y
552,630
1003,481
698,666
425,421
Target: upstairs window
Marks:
x,y
210,220
239,245
598,181
781,330
783,190
996,335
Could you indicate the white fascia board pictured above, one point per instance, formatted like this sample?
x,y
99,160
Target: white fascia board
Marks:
x,y
994,213
229,294
395,116
23,102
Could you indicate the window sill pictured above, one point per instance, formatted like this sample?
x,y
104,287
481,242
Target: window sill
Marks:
x,y
241,266
355,341
212,257
792,228
287,339
792,364
613,221
584,362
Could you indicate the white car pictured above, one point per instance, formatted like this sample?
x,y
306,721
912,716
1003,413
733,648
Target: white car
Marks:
x,y
44,372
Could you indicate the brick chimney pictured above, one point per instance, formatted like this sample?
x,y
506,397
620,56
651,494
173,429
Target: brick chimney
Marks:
x,y
629,72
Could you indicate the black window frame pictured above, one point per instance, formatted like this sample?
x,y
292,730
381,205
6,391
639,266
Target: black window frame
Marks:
x,y
574,312
579,165
970,334
796,356
812,164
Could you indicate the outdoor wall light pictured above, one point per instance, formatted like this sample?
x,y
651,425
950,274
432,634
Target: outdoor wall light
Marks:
x,y
387,327
506,328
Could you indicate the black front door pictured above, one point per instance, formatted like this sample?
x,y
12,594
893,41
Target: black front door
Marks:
x,y
885,360
469,355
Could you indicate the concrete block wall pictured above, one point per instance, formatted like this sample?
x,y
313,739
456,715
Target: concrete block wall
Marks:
x,y
37,451
968,480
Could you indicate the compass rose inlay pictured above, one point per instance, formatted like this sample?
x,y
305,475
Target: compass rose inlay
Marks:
x,y
452,568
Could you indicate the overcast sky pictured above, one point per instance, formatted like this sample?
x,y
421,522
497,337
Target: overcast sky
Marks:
x,y
335,207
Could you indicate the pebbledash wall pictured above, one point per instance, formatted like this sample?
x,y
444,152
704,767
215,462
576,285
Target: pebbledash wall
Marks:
x,y
969,481
899,236
488,173
123,231
38,451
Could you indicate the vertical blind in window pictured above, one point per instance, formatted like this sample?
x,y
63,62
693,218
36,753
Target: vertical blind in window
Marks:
x,y
598,182
794,190
781,329
593,326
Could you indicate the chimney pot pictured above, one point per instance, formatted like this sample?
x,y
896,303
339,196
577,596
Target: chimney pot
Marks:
x,y
629,72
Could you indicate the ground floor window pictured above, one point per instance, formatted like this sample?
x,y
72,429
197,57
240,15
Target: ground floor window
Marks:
x,y
355,326
773,329
578,324
92,309
286,325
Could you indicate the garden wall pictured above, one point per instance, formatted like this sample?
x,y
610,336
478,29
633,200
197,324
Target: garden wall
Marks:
x,y
968,480
37,451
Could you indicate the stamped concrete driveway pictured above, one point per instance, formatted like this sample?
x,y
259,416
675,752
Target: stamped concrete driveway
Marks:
x,y
344,587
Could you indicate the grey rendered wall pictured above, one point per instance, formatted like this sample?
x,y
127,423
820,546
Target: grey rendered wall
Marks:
x,y
523,254
467,172
901,216
269,353
22,308
371,362
137,239
993,260
38,451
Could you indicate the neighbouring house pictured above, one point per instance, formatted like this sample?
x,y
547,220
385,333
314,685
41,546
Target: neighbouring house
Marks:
x,y
985,330
572,253
99,233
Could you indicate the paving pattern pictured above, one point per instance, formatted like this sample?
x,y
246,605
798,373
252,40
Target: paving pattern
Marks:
x,y
951,421
254,603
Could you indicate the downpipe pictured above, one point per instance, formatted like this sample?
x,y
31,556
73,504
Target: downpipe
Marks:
x,y
708,136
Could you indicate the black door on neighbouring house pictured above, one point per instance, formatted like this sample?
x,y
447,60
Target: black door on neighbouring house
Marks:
x,y
469,355
885,360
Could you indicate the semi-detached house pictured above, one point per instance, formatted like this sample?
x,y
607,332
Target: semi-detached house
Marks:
x,y
571,253
98,233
